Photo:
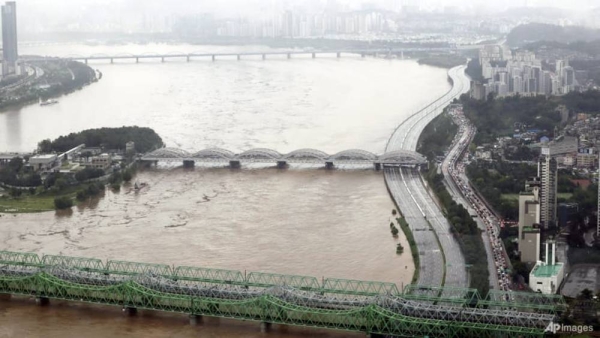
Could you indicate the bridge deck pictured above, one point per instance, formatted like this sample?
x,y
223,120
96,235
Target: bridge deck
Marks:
x,y
352,156
360,306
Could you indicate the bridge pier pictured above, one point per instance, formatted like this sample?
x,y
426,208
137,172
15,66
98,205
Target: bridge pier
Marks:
x,y
282,165
112,60
314,55
137,60
377,166
42,301
265,327
213,57
339,54
189,163
233,164
130,311
329,165
187,58
195,320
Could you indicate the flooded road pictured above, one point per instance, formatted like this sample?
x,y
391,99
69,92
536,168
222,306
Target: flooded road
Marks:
x,y
299,221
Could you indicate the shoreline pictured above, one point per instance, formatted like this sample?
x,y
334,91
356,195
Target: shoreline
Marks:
x,y
56,90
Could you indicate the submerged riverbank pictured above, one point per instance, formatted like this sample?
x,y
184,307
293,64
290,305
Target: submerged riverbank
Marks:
x,y
46,80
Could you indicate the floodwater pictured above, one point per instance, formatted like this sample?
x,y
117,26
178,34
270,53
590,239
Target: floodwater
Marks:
x,y
302,221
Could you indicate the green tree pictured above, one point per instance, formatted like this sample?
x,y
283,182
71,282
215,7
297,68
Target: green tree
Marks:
x,y
61,203
45,146
60,184
127,176
15,192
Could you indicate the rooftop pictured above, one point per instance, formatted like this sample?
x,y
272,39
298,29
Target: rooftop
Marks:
x,y
541,271
43,157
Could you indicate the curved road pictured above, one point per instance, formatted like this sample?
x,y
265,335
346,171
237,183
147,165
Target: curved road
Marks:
x,y
466,133
418,207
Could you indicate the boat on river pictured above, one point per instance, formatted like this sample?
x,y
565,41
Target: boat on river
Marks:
x,y
48,102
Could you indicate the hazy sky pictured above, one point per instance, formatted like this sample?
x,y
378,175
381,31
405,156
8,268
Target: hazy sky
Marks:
x,y
36,15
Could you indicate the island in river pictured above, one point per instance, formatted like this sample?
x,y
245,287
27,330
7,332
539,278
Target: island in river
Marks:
x,y
75,166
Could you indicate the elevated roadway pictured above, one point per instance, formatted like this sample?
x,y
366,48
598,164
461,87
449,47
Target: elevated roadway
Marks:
x,y
441,260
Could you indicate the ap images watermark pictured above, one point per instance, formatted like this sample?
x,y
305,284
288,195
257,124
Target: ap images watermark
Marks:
x,y
560,328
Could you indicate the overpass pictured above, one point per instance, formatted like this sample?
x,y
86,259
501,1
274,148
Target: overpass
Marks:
x,y
267,156
374,308
238,55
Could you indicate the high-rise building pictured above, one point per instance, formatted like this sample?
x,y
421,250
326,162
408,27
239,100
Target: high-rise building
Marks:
x,y
598,224
9,38
548,174
529,220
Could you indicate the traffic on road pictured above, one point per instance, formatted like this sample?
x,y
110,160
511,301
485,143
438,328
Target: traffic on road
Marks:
x,y
457,163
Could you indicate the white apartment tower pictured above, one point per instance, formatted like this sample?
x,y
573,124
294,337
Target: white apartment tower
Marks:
x,y
548,174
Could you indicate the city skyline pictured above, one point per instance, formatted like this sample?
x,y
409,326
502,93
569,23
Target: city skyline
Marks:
x,y
118,15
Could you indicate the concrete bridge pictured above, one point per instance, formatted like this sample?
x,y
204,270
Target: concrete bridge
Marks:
x,y
267,156
238,55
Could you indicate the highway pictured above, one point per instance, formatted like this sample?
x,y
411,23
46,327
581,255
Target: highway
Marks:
x,y
453,168
454,173
423,215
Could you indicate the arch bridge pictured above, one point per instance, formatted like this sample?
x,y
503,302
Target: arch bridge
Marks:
x,y
300,156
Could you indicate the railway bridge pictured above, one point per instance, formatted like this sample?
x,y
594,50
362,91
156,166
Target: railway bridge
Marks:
x,y
374,308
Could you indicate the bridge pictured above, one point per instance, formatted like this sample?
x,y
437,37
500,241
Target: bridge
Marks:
x,y
374,308
238,55
301,156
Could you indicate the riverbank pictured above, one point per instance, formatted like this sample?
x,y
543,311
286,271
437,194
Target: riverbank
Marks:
x,y
48,79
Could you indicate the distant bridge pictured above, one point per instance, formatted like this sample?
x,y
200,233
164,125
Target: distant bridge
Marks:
x,y
238,55
262,155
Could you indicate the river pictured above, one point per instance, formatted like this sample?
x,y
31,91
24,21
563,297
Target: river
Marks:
x,y
302,221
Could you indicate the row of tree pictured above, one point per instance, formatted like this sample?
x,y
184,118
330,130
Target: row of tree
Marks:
x,y
466,232
437,136
145,139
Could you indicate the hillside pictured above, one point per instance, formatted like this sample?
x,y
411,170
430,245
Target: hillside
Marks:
x,y
529,33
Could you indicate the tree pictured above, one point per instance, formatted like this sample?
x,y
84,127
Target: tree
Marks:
x,y
586,294
61,203
60,184
15,192
15,164
127,176
399,249
45,146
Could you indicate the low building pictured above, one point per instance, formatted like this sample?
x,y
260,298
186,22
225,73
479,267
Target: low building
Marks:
x,y
103,161
586,160
43,162
547,276
482,154
92,150
564,145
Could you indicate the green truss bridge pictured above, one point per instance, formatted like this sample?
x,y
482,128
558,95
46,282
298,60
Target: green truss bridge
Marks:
x,y
374,308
